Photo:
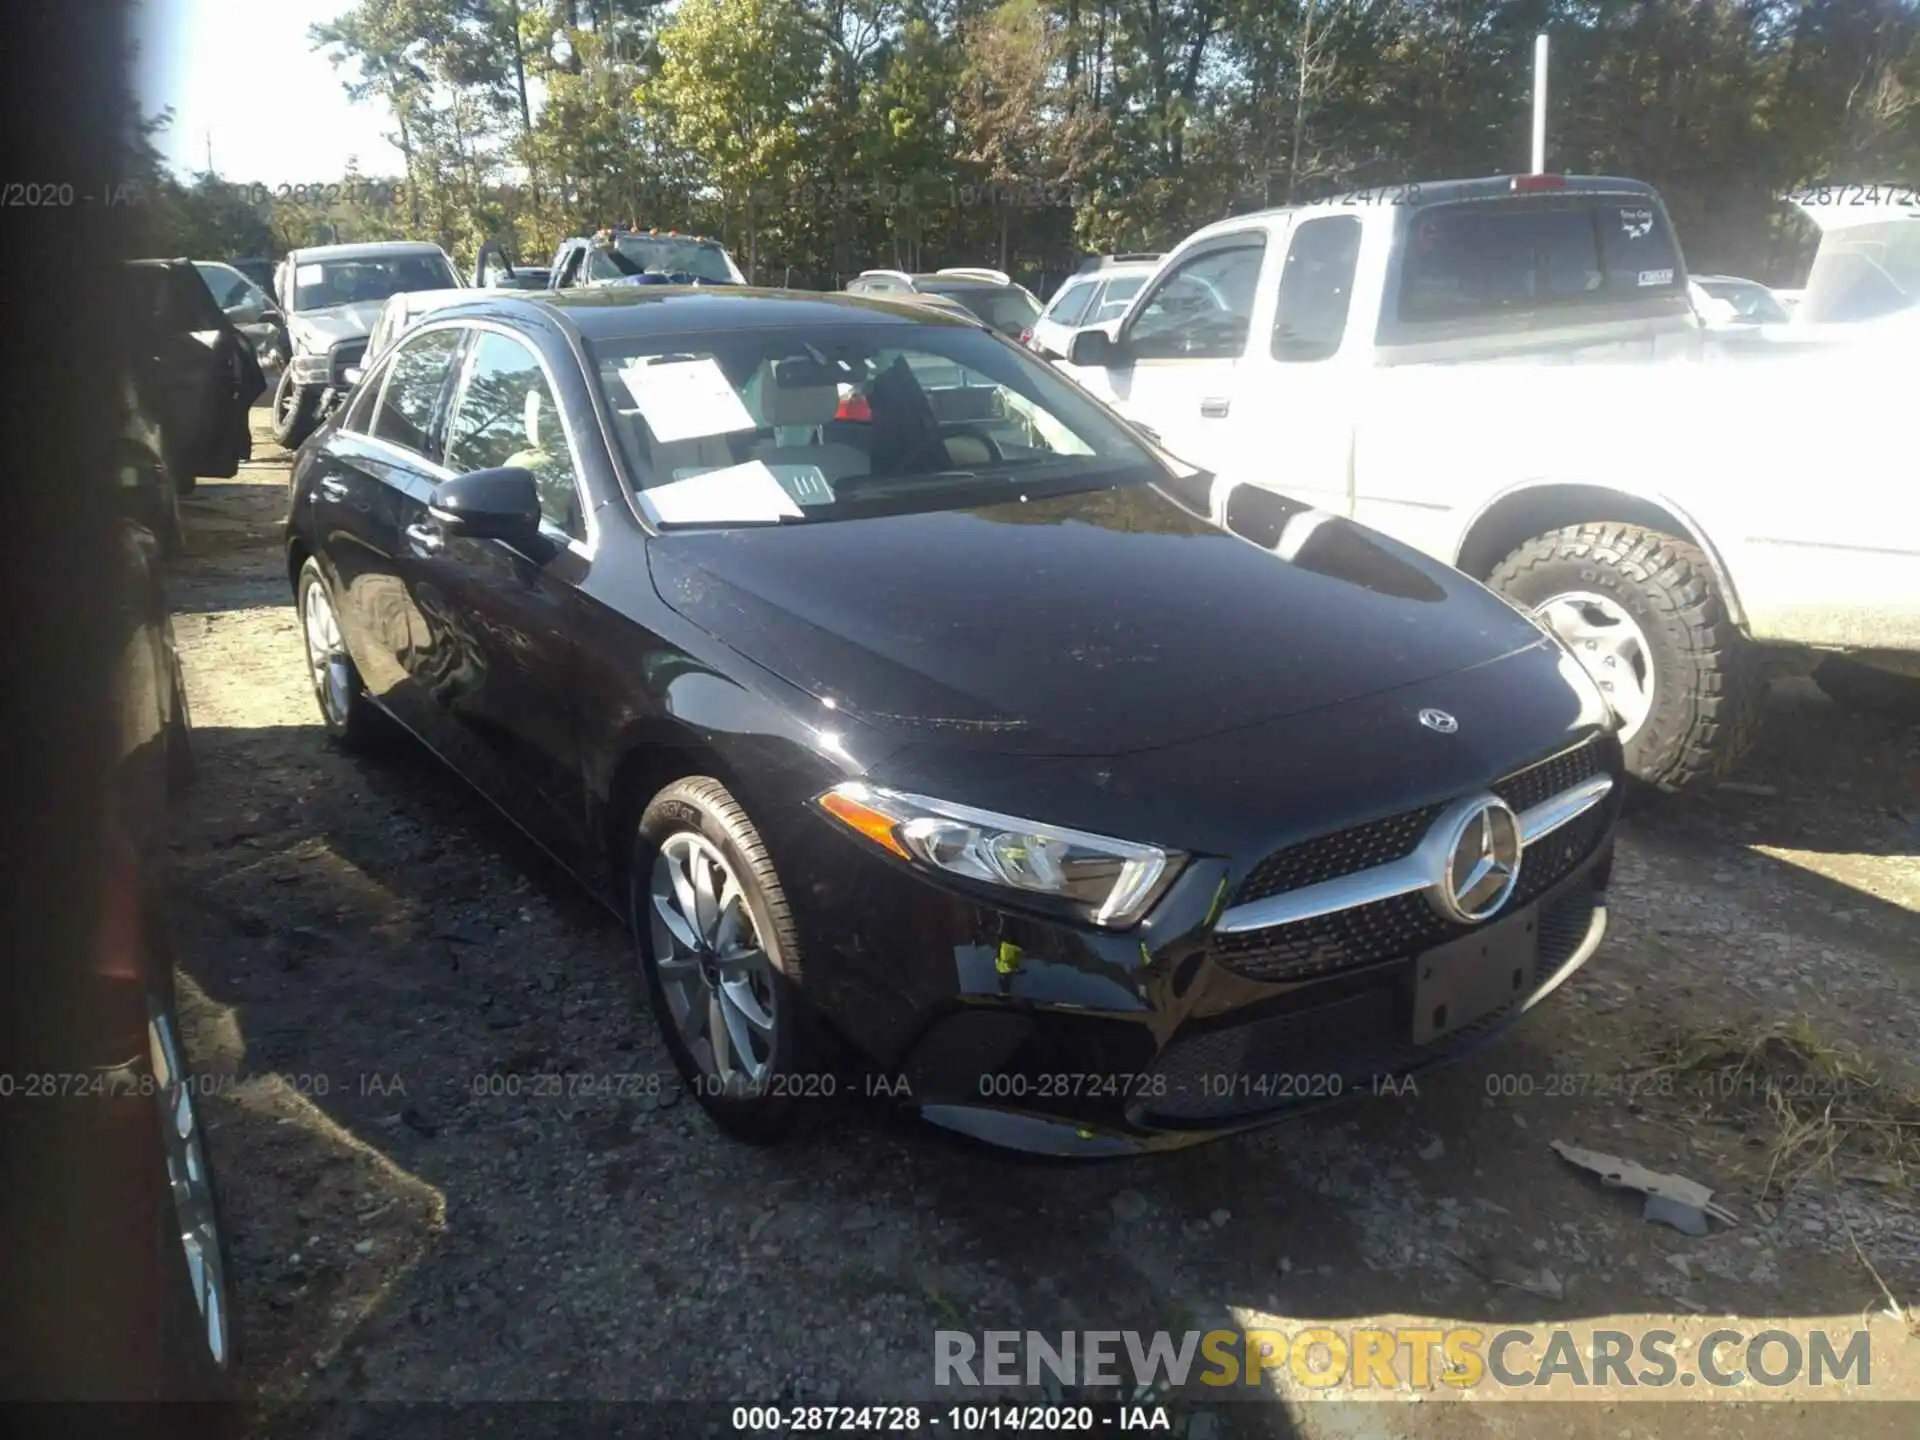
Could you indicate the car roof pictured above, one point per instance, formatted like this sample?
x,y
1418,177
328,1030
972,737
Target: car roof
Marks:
x,y
1430,192
364,248
622,311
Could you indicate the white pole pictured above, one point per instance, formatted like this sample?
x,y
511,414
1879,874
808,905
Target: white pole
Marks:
x,y
1539,104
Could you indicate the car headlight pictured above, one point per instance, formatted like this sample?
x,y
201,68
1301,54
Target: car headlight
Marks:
x,y
1109,882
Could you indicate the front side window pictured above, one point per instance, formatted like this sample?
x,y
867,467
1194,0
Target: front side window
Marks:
x,y
507,415
1072,303
415,380
1202,308
1316,288
1863,272
366,395
318,284
804,425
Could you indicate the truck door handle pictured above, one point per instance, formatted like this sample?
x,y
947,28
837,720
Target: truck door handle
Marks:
x,y
426,538
333,489
1213,409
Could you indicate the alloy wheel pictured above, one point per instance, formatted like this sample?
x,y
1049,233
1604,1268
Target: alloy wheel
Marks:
x,y
713,967
190,1182
1611,647
326,654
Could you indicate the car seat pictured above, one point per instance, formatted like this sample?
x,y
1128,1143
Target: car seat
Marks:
x,y
803,398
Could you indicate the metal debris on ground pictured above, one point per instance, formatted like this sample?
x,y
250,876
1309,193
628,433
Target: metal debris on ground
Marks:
x,y
1671,1199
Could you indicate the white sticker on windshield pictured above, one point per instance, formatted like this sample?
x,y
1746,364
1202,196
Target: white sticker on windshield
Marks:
x,y
685,399
1656,277
737,495
1636,222
309,274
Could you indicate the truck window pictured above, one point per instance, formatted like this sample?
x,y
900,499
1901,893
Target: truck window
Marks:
x,y
1202,308
1316,288
1476,259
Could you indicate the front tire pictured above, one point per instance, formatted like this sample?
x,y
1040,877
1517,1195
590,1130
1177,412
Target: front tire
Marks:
x,y
1644,614
293,410
352,720
717,942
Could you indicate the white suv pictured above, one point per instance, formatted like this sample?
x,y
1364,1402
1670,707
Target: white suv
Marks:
x,y
1097,295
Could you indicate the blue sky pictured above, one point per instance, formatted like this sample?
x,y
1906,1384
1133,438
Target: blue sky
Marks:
x,y
244,73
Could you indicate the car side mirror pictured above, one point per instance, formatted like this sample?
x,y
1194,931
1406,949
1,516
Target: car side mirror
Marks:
x,y
1095,348
499,504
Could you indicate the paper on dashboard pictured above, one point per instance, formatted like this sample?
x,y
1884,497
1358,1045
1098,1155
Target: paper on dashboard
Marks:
x,y
685,399
738,495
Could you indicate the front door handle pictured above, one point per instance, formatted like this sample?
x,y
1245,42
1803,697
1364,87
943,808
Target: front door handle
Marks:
x,y
332,488
426,538
1213,409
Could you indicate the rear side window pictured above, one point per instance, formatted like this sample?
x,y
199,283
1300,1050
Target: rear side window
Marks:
x,y
415,378
1316,288
1119,294
1863,272
1068,309
1479,259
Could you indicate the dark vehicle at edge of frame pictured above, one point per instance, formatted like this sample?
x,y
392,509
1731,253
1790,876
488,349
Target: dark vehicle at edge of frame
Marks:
x,y
909,706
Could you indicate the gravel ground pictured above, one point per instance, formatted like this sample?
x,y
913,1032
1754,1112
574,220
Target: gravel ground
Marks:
x,y
457,1164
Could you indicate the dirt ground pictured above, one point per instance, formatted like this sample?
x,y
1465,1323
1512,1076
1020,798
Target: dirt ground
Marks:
x,y
383,971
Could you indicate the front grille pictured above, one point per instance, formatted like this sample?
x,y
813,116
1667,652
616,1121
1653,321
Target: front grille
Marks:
x,y
1398,927
1335,1048
1527,788
1328,857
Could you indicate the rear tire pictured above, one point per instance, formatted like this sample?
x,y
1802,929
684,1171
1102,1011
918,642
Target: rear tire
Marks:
x,y
1854,686
293,410
1706,686
694,823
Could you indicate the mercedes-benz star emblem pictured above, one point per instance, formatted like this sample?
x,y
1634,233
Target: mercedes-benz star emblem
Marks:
x,y
1480,843
1439,720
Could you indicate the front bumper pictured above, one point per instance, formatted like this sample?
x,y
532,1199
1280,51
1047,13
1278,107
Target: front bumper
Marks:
x,y
1052,1038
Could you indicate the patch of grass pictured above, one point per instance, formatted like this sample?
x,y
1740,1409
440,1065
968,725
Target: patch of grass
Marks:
x,y
1821,1108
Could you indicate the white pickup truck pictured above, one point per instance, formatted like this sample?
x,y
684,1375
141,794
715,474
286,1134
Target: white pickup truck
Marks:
x,y
1508,374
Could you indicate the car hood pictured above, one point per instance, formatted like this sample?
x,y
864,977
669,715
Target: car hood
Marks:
x,y
1088,624
313,330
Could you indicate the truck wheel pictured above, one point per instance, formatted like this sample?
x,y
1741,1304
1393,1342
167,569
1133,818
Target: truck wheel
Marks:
x,y
1644,615
1854,686
293,410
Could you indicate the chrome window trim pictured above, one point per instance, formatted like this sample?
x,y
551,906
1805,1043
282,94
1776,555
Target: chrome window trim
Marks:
x,y
1419,871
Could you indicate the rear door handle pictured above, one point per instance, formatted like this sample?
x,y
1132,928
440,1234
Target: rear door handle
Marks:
x,y
426,538
333,489
1213,409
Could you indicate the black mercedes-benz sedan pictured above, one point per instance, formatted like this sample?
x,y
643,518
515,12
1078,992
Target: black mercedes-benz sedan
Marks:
x,y
911,708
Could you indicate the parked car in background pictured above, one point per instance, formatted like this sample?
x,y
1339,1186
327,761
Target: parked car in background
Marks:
x,y
252,312
407,309
1790,299
1406,364
257,268
331,295
999,303
619,256
194,375
900,732
1098,295
1724,300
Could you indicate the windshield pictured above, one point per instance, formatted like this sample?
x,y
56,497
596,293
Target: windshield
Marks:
x,y
818,425
1863,272
663,255
320,283
1011,311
